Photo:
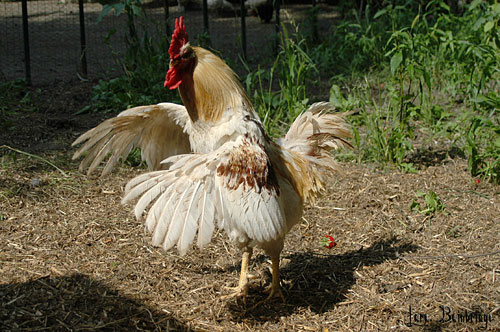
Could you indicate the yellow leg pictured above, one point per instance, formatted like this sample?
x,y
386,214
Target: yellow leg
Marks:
x,y
275,289
242,289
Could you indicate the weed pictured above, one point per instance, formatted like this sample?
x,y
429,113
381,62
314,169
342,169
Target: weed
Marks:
x,y
144,66
14,97
424,54
430,205
483,148
291,71
454,232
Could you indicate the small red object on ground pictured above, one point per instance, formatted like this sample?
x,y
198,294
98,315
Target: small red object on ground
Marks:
x,y
327,241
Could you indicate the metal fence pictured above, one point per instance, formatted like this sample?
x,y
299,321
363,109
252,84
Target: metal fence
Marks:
x,y
55,46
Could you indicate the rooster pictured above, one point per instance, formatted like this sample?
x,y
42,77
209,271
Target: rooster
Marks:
x,y
212,164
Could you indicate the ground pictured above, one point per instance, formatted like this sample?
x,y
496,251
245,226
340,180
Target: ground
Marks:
x,y
73,258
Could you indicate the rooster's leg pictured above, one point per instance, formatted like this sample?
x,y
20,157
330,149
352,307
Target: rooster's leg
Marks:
x,y
275,289
242,289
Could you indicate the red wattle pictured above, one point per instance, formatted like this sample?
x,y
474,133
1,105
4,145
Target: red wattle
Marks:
x,y
173,79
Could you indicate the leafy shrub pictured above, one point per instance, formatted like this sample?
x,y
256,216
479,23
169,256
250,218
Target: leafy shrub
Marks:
x,y
144,66
291,71
440,74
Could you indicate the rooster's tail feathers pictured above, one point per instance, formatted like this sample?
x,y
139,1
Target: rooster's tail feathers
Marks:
x,y
305,151
316,132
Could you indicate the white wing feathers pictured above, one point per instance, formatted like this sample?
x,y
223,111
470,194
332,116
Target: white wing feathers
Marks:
x,y
207,215
182,201
159,131
192,197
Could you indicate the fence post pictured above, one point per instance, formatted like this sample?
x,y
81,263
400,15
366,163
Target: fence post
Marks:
x,y
277,4
83,42
205,17
314,23
167,20
243,29
26,38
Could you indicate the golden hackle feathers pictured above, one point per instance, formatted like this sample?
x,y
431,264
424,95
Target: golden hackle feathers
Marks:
x,y
217,87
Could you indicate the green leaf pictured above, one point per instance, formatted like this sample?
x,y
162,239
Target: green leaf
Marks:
x,y
336,97
136,10
415,20
497,142
118,8
488,26
396,60
474,4
83,110
414,205
110,34
105,10
427,78
381,12
444,6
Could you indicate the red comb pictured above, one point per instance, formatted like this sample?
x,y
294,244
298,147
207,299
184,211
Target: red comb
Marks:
x,y
179,38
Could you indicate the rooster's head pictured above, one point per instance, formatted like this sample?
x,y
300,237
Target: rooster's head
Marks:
x,y
182,56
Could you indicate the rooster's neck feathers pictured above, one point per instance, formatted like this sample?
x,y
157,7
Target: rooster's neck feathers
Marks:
x,y
213,89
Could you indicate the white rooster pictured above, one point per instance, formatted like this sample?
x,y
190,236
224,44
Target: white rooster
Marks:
x,y
212,164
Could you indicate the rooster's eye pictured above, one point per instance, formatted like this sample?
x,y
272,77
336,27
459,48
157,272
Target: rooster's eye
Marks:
x,y
187,54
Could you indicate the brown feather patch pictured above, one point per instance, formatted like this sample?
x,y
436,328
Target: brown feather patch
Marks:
x,y
249,165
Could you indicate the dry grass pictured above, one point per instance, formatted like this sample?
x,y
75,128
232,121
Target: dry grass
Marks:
x,y
72,258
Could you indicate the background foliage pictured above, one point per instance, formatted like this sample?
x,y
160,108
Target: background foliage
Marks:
x,y
421,78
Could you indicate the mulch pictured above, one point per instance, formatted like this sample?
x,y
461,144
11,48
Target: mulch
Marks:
x,y
72,258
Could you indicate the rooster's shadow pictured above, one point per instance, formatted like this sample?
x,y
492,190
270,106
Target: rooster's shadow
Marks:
x,y
77,302
316,281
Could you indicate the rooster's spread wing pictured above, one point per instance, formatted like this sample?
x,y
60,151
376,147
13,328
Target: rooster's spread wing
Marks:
x,y
160,131
200,191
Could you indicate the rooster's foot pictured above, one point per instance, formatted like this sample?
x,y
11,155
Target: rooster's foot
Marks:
x,y
240,291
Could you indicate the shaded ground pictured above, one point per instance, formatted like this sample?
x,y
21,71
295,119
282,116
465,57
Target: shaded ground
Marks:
x,y
72,258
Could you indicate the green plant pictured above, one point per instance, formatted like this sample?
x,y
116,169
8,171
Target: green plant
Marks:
x,y
483,148
295,68
267,102
440,74
143,71
133,9
14,97
354,45
291,71
430,205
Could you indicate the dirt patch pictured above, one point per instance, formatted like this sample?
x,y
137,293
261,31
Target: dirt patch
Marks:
x,y
72,258
49,121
